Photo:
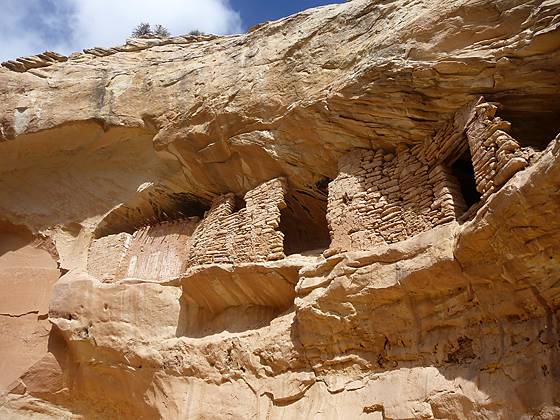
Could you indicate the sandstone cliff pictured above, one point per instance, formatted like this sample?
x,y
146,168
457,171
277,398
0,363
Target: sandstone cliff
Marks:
x,y
348,213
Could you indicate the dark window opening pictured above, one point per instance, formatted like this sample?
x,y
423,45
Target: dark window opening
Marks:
x,y
304,225
187,205
535,120
323,185
463,171
239,204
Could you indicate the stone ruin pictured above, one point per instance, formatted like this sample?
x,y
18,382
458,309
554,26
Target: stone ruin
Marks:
x,y
384,197
193,251
378,197
227,235
247,235
155,263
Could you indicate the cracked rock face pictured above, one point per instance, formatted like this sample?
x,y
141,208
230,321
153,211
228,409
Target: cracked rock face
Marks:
x,y
169,212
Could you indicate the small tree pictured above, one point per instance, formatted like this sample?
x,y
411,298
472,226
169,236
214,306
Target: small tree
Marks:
x,y
143,30
196,32
162,31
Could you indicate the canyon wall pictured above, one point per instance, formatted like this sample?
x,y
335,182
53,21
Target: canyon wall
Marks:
x,y
351,212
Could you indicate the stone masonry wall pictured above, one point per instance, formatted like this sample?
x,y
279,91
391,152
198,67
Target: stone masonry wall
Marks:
x,y
45,59
496,156
106,255
382,197
378,197
450,141
159,252
163,251
247,235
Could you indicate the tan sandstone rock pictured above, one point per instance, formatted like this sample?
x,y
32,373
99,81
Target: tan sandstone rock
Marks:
x,y
350,213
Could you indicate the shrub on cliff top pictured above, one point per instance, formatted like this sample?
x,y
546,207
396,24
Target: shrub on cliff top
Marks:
x,y
160,30
196,32
144,30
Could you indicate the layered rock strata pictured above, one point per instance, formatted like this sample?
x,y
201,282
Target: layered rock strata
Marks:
x,y
347,213
22,64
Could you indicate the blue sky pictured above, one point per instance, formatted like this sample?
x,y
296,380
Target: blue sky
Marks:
x,y
32,26
254,11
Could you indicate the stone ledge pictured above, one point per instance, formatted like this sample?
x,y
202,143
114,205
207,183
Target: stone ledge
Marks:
x,y
216,287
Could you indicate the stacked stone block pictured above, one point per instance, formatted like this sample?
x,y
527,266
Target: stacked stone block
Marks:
x,y
382,197
496,156
45,59
450,141
247,235
378,197
447,194
163,251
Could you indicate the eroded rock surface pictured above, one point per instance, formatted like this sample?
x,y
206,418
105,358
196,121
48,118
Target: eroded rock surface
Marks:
x,y
348,213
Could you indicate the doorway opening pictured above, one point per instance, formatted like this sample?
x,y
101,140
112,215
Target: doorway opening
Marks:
x,y
304,224
462,169
238,204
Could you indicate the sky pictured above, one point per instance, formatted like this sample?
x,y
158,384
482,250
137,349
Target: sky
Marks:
x,y
32,26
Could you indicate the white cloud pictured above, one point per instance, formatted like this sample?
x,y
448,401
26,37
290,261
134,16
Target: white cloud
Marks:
x,y
32,26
